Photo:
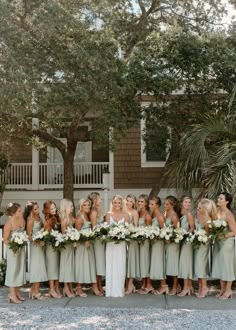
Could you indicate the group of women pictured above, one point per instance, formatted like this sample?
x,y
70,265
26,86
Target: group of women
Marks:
x,y
120,264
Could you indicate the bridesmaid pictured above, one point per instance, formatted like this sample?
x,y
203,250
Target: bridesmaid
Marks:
x,y
52,221
15,272
145,219
85,269
186,252
133,270
157,268
38,272
96,217
67,258
206,212
223,253
172,249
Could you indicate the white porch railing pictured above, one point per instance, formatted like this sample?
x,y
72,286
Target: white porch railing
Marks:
x,y
50,175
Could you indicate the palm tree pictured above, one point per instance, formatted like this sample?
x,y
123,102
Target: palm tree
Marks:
x,y
207,154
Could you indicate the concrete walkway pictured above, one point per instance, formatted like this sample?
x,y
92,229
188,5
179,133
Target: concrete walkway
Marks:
x,y
130,312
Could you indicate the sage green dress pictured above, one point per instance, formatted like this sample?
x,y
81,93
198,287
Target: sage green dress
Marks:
x,y
172,256
157,267
144,254
223,263
52,262
38,271
201,258
186,254
132,265
85,268
16,266
67,263
100,253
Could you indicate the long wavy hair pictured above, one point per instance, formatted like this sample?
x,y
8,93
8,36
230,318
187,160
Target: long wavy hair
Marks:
x,y
51,220
28,209
65,210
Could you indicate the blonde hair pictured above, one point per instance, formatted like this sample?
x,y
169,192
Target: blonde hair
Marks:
x,y
93,196
82,201
65,210
134,200
120,198
209,207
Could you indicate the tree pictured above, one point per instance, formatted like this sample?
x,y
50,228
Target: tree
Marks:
x,y
208,154
59,70
51,51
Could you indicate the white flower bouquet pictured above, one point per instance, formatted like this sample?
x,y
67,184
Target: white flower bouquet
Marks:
x,y
101,231
72,236
167,233
199,236
87,236
18,240
118,232
58,240
39,236
140,234
218,229
179,235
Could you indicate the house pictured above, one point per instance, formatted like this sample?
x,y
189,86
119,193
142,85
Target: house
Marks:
x,y
35,175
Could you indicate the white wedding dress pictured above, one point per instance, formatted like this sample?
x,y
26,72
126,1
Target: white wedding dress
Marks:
x,y
115,267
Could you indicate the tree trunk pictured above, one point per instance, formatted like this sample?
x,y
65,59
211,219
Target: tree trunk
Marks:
x,y
68,187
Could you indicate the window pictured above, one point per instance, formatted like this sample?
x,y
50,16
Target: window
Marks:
x,y
155,141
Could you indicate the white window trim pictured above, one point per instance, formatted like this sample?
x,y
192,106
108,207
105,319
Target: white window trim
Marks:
x,y
144,162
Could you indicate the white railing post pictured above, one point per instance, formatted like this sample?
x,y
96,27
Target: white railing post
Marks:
x,y
35,169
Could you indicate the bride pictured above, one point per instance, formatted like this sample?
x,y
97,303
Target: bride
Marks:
x,y
116,253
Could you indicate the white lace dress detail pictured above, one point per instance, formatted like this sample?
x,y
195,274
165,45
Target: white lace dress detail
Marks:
x,y
115,267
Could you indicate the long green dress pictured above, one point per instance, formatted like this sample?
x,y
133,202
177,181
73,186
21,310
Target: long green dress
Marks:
x,y
38,271
201,258
144,254
157,267
52,261
85,269
223,265
67,263
172,256
100,253
186,254
133,268
16,265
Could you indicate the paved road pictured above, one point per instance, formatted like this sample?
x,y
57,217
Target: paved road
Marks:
x,y
131,312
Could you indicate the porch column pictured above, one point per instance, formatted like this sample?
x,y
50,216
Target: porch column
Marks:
x,y
111,163
35,152
35,169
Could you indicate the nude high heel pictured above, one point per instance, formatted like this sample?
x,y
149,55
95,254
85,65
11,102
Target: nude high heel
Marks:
x,y
185,292
162,290
13,300
225,297
67,294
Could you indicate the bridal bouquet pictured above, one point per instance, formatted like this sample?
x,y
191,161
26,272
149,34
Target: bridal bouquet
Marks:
x,y
18,240
72,236
118,232
39,236
199,236
218,228
179,235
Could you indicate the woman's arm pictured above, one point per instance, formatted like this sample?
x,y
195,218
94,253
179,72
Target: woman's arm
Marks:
x,y
63,226
135,217
7,232
78,222
161,220
231,223
148,219
93,218
29,227
175,220
107,217
190,220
